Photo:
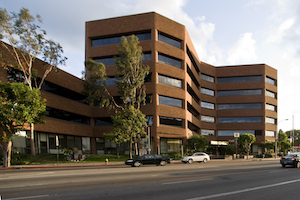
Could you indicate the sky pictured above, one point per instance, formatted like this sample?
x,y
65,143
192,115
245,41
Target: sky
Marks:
x,y
224,32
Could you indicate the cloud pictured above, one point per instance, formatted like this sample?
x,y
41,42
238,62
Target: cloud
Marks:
x,y
244,50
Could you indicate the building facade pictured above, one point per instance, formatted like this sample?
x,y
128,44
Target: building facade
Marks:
x,y
185,96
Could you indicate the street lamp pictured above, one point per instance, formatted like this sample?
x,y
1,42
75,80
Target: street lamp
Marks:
x,y
276,135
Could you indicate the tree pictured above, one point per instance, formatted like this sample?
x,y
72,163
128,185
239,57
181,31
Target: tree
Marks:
x,y
130,73
283,142
246,140
26,43
197,143
19,106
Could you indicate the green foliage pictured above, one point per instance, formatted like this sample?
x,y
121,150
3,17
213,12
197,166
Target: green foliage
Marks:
x,y
283,142
173,155
229,149
197,143
19,105
245,141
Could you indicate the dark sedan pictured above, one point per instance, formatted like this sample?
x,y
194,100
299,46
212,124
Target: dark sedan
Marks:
x,y
148,159
291,159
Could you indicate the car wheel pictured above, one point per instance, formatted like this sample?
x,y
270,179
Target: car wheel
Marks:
x,y
297,165
190,161
136,164
162,163
283,165
205,160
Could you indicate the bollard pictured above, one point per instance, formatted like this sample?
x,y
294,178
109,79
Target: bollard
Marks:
x,y
106,161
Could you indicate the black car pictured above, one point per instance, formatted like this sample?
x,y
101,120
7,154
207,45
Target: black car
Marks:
x,y
291,159
148,159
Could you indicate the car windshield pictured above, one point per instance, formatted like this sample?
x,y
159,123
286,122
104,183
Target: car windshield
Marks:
x,y
291,155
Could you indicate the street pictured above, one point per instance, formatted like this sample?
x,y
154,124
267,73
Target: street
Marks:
x,y
214,180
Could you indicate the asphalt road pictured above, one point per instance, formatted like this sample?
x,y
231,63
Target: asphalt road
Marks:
x,y
214,180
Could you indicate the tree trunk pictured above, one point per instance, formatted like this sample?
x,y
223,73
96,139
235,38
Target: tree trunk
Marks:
x,y
6,153
32,147
130,148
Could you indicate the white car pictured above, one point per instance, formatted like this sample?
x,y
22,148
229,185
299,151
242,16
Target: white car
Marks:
x,y
196,157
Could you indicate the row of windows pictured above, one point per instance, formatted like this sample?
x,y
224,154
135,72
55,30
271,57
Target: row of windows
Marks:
x,y
107,61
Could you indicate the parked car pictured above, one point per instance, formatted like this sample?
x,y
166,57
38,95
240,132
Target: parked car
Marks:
x,y
148,159
291,159
196,157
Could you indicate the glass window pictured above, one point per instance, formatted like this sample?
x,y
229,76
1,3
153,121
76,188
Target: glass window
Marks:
x,y
207,78
171,121
190,73
208,91
170,101
231,132
270,107
169,40
193,94
207,119
239,119
68,116
86,143
239,92
239,106
239,79
147,57
270,80
111,81
270,120
192,110
103,121
207,105
191,57
169,81
207,132
270,94
111,59
270,133
193,127
117,39
169,60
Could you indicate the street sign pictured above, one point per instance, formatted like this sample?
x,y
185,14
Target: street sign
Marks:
x,y
236,135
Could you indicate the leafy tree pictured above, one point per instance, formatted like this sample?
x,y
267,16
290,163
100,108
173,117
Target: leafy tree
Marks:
x,y
229,149
283,142
197,143
246,140
19,106
26,43
130,73
296,135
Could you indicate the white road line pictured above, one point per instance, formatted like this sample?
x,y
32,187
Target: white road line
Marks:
x,y
188,181
22,186
29,197
245,190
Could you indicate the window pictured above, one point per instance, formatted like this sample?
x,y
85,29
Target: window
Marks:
x,y
65,115
239,119
239,106
231,132
111,81
208,91
239,79
207,119
192,93
270,133
270,107
169,40
107,61
270,80
190,55
171,121
117,39
169,60
207,132
270,94
192,110
207,78
103,121
239,92
270,120
207,105
193,127
169,81
170,101
190,73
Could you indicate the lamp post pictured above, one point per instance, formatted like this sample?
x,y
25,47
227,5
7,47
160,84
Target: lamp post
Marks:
x,y
276,135
150,122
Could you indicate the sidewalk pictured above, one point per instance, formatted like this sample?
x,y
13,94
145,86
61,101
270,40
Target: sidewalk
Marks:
x,y
110,164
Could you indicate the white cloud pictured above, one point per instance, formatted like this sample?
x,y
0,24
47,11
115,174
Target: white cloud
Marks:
x,y
244,50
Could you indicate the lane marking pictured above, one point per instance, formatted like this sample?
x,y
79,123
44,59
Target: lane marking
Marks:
x,y
244,190
29,197
22,186
188,181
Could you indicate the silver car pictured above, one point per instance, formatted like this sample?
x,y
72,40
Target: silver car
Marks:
x,y
196,157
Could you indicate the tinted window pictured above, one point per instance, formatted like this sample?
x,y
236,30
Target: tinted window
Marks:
x,y
239,92
239,119
171,121
169,40
170,101
169,81
239,106
207,78
169,60
239,79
